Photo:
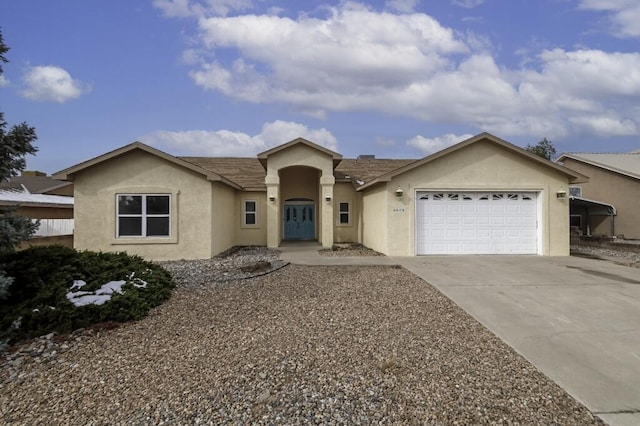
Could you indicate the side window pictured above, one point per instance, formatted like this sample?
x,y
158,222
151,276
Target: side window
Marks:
x,y
250,212
143,215
575,191
344,212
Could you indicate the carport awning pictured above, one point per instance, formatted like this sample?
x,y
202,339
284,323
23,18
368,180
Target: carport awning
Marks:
x,y
595,208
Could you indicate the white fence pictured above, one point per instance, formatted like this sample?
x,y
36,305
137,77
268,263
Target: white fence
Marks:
x,y
51,227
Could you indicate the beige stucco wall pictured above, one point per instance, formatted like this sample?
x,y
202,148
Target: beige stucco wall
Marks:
x,y
612,188
375,210
251,235
223,208
307,157
480,166
299,182
139,172
346,193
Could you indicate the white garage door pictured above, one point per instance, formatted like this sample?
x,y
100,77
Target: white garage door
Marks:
x,y
476,223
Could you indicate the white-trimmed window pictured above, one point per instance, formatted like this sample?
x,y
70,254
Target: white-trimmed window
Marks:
x,y
143,215
575,191
344,213
250,212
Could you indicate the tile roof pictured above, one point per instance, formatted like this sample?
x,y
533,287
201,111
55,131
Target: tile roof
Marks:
x,y
34,184
249,173
365,170
245,172
626,164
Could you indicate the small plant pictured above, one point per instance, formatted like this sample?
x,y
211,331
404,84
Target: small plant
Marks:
x,y
46,280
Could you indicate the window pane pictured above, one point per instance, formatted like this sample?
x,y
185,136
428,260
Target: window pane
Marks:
x,y
250,206
157,227
130,226
157,204
344,207
250,219
344,217
129,204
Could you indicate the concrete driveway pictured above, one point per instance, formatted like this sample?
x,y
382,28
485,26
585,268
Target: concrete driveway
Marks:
x,y
576,319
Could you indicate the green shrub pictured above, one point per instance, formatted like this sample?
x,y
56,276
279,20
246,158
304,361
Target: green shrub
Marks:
x,y
37,300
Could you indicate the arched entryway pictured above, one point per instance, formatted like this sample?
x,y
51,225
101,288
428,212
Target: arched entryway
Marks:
x,y
300,192
300,170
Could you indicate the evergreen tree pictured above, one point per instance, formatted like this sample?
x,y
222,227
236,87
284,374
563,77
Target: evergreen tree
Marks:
x,y
15,144
544,149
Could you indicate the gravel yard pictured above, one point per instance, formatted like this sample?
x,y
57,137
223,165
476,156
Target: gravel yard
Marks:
x,y
325,344
621,257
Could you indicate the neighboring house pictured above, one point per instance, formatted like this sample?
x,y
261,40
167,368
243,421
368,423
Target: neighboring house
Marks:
x,y
36,182
40,197
483,195
609,203
54,213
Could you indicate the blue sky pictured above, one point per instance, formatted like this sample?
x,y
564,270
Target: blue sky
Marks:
x,y
395,78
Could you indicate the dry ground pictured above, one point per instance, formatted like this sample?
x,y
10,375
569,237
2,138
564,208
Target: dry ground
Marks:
x,y
330,345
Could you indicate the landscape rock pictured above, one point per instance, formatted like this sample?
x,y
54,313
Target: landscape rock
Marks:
x,y
297,345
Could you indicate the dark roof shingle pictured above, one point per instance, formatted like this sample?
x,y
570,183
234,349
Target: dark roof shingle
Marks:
x,y
34,184
249,173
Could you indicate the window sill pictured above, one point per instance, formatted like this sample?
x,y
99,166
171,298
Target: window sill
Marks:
x,y
143,240
250,226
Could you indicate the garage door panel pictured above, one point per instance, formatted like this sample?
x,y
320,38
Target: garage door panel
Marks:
x,y
454,220
476,223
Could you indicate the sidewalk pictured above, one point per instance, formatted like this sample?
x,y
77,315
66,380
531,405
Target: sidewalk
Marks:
x,y
306,253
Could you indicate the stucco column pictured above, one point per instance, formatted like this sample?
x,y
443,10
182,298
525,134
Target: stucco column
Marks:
x,y
273,210
326,183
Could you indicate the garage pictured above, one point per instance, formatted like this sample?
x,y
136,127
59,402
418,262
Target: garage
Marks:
x,y
497,222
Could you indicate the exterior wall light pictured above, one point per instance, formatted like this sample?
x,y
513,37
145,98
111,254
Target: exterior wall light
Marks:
x,y
399,192
561,194
327,199
272,198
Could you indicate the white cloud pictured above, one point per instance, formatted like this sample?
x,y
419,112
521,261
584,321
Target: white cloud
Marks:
x,y
201,9
51,84
3,81
236,144
623,15
606,126
403,6
431,145
355,58
594,73
343,62
467,4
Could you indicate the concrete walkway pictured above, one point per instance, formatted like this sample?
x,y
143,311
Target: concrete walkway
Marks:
x,y
577,320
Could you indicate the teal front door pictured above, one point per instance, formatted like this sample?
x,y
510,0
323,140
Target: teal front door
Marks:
x,y
299,222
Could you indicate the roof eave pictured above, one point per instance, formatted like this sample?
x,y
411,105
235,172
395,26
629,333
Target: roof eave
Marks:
x,y
574,177
586,200
68,174
596,164
265,154
35,204
53,187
